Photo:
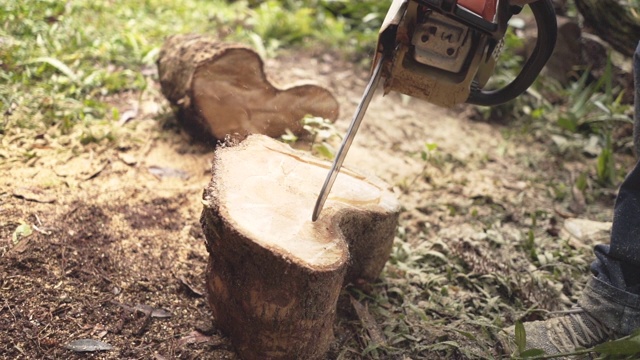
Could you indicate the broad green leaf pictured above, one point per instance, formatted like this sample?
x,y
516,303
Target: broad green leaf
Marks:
x,y
567,124
619,347
635,335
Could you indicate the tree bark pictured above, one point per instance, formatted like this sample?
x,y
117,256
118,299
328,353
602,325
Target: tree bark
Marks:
x,y
220,89
273,275
614,23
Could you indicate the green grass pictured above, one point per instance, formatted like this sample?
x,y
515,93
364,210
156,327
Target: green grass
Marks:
x,y
63,62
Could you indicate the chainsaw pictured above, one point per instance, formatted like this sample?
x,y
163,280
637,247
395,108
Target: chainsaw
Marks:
x,y
445,51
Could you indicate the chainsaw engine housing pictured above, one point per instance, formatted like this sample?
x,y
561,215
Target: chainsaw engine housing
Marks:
x,y
445,51
436,57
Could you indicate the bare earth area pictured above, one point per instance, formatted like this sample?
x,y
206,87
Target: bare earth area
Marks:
x,y
114,251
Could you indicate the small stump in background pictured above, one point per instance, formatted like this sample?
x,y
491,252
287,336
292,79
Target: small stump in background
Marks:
x,y
220,89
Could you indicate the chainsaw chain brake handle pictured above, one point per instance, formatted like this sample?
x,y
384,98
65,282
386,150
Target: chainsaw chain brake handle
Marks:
x,y
546,23
480,14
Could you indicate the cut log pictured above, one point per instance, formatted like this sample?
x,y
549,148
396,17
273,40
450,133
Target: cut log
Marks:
x,y
220,89
273,275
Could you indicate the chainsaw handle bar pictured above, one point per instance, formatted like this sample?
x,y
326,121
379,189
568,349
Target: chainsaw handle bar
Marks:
x,y
545,17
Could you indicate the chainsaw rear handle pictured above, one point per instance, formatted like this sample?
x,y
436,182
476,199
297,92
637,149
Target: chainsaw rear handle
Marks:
x,y
545,17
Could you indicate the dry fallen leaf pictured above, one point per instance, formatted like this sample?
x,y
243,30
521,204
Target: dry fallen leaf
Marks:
x,y
33,194
153,312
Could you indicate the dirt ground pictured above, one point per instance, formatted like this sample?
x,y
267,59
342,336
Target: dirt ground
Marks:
x,y
115,251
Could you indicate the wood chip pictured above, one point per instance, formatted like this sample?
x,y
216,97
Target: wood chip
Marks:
x,y
127,159
164,172
88,345
192,290
194,337
126,116
585,233
578,204
158,313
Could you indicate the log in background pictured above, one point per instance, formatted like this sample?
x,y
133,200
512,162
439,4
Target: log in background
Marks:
x,y
220,89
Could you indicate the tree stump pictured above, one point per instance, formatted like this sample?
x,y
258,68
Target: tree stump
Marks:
x,y
220,89
273,275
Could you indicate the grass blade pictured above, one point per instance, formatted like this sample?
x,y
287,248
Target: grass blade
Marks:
x,y
57,64
521,337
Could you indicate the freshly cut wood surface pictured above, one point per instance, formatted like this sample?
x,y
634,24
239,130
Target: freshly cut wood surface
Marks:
x,y
220,89
274,276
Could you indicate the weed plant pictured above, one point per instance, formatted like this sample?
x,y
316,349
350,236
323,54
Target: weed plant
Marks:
x,y
578,117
